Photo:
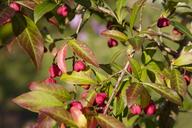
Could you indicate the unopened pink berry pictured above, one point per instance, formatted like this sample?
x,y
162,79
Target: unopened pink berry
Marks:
x,y
76,104
79,66
49,80
112,43
15,6
100,98
62,10
135,109
163,22
150,109
54,71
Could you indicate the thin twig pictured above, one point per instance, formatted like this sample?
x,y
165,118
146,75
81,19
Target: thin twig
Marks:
x,y
141,19
79,25
116,87
161,45
111,76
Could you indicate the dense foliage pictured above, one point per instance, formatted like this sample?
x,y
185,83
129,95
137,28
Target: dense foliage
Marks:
x,y
147,89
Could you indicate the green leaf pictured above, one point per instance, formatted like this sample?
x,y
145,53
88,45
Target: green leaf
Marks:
x,y
136,42
56,90
83,51
60,115
178,83
118,106
90,98
31,41
182,29
100,76
42,9
18,23
119,6
183,59
78,78
85,3
115,34
134,12
136,68
36,100
166,92
133,92
106,121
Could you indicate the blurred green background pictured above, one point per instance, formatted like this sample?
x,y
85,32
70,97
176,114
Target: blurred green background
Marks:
x,y
17,70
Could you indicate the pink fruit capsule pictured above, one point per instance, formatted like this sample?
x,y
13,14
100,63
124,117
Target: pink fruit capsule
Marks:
x,y
15,6
112,43
62,10
54,71
150,109
135,109
76,104
163,22
100,98
79,66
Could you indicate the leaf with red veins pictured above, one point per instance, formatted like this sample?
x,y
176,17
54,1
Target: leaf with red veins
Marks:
x,y
83,51
31,41
5,15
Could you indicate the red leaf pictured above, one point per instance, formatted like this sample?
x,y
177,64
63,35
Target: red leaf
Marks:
x,y
44,122
5,15
61,55
83,51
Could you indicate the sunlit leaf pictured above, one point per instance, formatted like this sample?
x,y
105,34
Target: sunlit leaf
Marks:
x,y
56,90
166,92
115,34
42,9
182,29
31,41
106,121
134,12
78,117
78,78
83,51
183,59
100,76
136,42
136,68
36,100
60,115
119,6
178,83
118,105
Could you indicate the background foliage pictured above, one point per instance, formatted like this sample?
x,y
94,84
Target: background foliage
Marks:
x,y
148,64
